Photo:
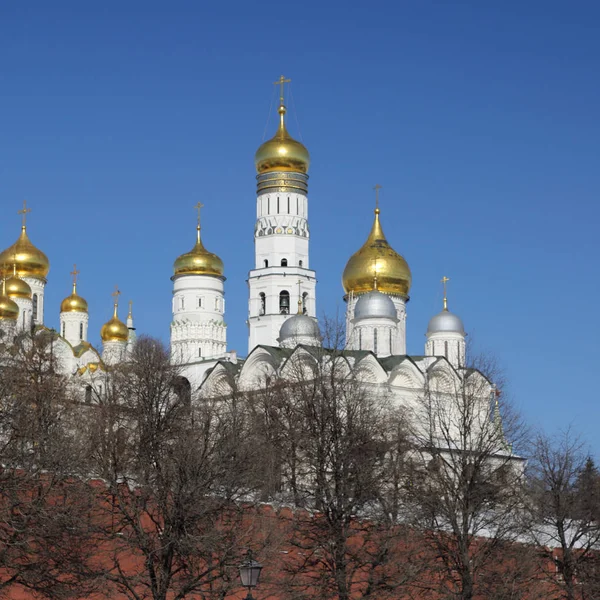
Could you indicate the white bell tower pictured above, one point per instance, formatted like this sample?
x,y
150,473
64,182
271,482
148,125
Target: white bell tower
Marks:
x,y
281,276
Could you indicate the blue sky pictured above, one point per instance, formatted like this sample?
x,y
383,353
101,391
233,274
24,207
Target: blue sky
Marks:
x,y
480,120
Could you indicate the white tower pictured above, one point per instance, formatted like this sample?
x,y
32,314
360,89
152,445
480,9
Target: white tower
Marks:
x,y
74,316
281,236
446,335
32,266
114,334
198,331
132,337
19,291
377,258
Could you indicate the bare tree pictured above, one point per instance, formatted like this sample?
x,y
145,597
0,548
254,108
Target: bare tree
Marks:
x,y
44,533
171,520
466,485
564,486
339,447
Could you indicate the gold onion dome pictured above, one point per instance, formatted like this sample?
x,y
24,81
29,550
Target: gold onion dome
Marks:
x,y
282,152
198,261
17,287
114,330
29,260
74,302
9,310
376,256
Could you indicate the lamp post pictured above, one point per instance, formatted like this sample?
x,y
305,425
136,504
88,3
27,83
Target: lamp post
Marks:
x,y
250,573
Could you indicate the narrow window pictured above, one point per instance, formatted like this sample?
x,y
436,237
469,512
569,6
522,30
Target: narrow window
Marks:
x,y
284,262
304,303
199,352
263,304
181,303
458,352
216,303
277,204
284,303
299,263
80,331
288,205
446,349
360,339
63,330
375,341
266,263
35,306
391,342
24,319
88,394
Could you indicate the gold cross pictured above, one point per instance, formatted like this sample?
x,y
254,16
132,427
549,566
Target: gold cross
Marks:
x,y
130,308
74,272
24,212
116,294
282,81
377,188
445,280
198,207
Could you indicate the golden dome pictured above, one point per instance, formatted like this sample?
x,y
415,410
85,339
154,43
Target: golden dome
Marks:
x,y
30,261
198,261
74,302
16,287
282,152
376,256
114,330
9,309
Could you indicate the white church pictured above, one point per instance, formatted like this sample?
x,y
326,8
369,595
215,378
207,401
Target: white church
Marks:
x,y
282,301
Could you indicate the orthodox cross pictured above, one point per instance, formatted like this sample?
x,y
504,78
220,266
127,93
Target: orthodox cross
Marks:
x,y
74,272
445,280
24,212
116,295
130,308
198,207
377,188
281,82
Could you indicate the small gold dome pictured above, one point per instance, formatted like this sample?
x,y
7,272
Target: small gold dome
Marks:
x,y
17,288
377,256
29,260
74,302
198,261
9,309
114,330
282,152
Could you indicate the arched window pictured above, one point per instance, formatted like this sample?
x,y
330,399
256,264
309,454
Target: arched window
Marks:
x,y
35,306
63,329
80,331
391,342
199,352
262,309
304,303
375,341
299,263
266,263
284,262
284,303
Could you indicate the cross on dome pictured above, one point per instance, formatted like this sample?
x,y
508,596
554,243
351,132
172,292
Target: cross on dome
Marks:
x,y
281,83
444,281
24,211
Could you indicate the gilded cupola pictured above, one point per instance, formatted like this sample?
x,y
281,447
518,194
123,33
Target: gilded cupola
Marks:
x,y
282,152
29,260
9,310
198,261
17,287
376,256
114,330
74,302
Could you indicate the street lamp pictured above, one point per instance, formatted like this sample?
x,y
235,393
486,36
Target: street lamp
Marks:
x,y
250,573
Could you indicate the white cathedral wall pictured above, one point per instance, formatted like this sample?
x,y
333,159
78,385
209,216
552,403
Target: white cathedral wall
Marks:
x,y
37,288
25,307
74,326
448,344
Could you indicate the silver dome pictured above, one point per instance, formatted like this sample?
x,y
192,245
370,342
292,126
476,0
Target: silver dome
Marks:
x,y
299,326
446,322
375,305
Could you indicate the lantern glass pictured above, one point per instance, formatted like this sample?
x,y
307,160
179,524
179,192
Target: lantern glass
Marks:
x,y
250,571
